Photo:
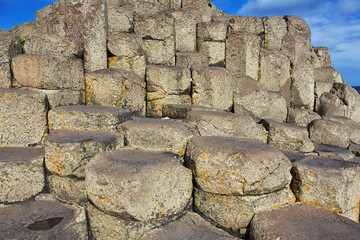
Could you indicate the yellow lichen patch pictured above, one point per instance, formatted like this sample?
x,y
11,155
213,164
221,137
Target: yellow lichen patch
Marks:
x,y
105,200
112,62
130,61
314,203
203,156
312,174
306,188
203,174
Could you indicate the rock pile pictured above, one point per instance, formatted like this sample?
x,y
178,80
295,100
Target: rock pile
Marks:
x,y
168,119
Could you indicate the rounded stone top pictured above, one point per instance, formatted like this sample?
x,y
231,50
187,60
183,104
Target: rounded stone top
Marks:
x,y
40,219
79,136
20,154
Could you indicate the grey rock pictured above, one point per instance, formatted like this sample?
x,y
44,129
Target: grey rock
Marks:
x,y
155,27
10,46
22,173
138,185
192,59
211,31
327,74
275,29
330,183
320,89
120,19
5,75
180,111
301,221
136,64
125,45
215,51
237,166
67,189
333,152
160,52
301,117
320,57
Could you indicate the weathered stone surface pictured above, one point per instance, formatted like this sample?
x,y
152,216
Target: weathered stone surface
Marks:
x,y
327,74
302,221
181,110
51,44
28,28
320,89
248,24
211,31
68,151
215,51
67,189
246,85
333,152
109,227
301,117
192,59
125,44
90,118
212,87
206,7
94,24
261,104
21,173
242,54
5,75
138,185
236,212
135,64
329,183
120,19
161,52
212,123
320,57
342,100
190,226
275,29
155,27
145,7
275,72
48,72
22,117
237,166
353,128
166,85
116,88
43,219
288,137
329,132
185,29
157,134
10,46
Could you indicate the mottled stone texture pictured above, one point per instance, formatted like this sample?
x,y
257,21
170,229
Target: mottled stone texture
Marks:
x,y
116,88
185,29
43,219
192,59
138,185
21,173
23,117
275,29
181,111
329,183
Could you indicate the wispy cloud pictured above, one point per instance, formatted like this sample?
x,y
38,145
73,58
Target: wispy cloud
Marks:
x,y
334,24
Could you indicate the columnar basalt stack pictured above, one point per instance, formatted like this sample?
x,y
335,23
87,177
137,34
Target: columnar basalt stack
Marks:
x,y
259,119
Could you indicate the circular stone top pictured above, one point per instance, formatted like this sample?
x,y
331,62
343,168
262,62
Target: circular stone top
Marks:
x,y
79,136
20,154
30,220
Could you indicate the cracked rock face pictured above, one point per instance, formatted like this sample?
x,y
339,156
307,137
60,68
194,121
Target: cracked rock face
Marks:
x,y
237,166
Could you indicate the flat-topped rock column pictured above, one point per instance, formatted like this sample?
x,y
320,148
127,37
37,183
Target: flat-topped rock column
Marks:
x,y
137,185
92,118
67,153
237,177
43,218
330,183
22,174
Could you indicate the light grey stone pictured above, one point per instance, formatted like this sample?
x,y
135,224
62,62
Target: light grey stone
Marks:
x,y
192,59
160,52
301,117
67,189
5,75
215,51
120,19
320,57
211,31
275,29
329,132
10,46
155,27
180,111
327,74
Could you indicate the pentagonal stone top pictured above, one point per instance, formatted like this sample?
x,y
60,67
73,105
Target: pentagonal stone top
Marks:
x,y
237,166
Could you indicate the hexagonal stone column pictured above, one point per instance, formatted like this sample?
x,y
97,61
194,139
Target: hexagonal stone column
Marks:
x,y
211,123
67,154
330,183
302,221
237,166
43,218
21,173
23,117
138,185
158,134
190,226
91,118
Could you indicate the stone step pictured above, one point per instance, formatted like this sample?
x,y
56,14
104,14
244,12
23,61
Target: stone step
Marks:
x,y
180,111
42,219
302,221
158,134
211,123
190,226
22,117
21,173
237,166
330,183
138,185
86,117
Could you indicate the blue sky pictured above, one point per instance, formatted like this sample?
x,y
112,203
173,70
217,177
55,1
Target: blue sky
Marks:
x,y
334,23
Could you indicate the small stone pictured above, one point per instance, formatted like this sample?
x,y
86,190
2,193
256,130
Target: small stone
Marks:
x,y
138,185
237,166
330,183
21,173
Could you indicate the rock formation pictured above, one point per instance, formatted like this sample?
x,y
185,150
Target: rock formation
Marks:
x,y
168,119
